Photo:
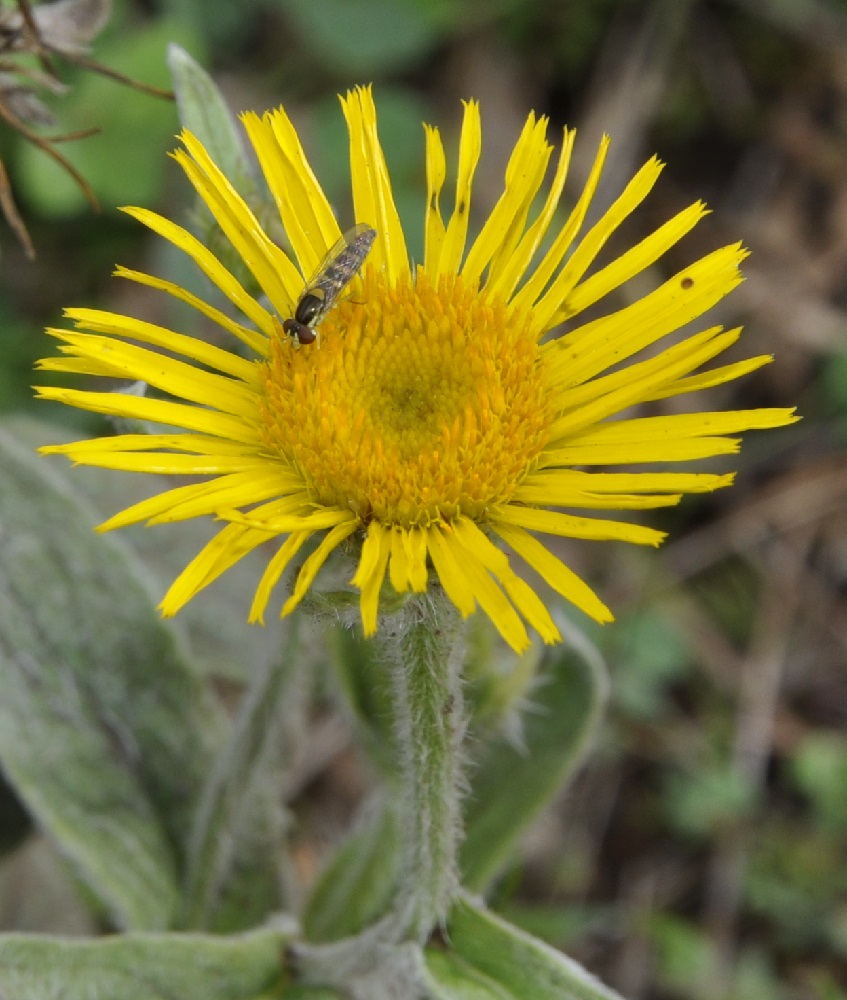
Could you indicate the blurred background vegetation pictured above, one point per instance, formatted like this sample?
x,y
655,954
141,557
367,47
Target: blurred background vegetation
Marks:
x,y
702,853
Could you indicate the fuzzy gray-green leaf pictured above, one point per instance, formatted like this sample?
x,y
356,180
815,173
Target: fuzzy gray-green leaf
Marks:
x,y
515,782
204,112
214,628
357,885
105,730
488,957
143,967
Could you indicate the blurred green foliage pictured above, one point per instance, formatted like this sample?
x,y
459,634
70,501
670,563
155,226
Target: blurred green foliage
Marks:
x,y
363,37
125,162
650,656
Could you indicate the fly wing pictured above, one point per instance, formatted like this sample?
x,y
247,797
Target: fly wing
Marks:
x,y
336,250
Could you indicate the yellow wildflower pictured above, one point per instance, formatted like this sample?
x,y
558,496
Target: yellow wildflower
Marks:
x,y
431,420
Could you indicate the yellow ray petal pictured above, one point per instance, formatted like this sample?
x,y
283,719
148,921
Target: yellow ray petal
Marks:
x,y
677,426
160,411
511,271
503,227
538,280
620,453
553,571
199,444
415,540
297,502
591,404
227,547
436,172
277,565
177,378
573,488
196,499
711,378
603,342
373,198
448,571
163,463
371,572
634,261
475,578
603,501
315,520
310,567
238,490
555,523
208,264
255,341
76,366
275,274
470,147
616,390
152,507
306,215
370,556
399,566
518,590
592,243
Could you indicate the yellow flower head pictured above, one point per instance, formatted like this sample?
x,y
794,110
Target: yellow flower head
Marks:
x,y
430,418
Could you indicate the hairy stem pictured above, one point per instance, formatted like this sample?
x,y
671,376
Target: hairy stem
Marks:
x,y
420,649
423,653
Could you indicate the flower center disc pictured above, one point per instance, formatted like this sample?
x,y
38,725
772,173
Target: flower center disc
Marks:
x,y
423,402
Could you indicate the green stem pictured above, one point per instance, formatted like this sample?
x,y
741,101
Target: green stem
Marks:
x,y
421,648
423,653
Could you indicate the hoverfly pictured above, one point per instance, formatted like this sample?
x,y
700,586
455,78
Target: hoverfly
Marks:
x,y
334,274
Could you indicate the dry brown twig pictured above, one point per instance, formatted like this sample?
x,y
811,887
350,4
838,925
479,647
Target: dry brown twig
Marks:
x,y
65,29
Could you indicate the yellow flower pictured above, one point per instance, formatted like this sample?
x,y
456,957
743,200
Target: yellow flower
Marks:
x,y
431,420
